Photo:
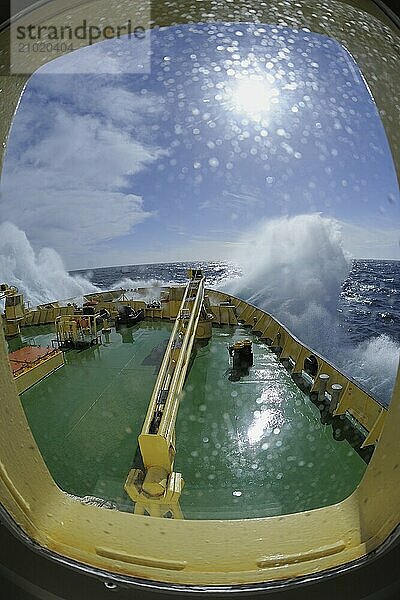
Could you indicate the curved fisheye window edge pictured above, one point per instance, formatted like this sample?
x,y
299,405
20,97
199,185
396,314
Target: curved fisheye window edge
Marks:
x,y
330,536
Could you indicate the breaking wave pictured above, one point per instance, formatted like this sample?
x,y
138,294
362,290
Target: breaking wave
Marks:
x,y
130,285
294,268
40,276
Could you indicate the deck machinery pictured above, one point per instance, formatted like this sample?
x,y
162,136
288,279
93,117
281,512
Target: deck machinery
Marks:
x,y
156,488
15,310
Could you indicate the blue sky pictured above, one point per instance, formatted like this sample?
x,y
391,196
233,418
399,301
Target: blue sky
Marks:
x,y
236,124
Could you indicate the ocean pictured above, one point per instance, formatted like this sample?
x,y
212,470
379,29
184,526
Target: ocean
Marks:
x,y
362,325
370,300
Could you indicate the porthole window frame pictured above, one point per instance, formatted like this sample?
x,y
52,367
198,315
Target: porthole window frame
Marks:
x,y
209,553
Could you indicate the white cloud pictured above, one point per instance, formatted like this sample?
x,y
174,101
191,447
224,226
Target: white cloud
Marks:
x,y
75,144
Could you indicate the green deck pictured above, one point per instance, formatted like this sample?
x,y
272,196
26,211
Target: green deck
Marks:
x,y
251,448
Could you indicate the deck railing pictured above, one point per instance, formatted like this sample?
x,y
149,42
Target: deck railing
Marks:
x,y
366,409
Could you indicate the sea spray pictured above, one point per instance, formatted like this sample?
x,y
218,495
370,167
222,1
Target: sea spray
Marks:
x,y
373,363
132,287
40,276
294,268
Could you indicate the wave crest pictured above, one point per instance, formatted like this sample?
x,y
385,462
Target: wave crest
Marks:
x,y
40,276
294,268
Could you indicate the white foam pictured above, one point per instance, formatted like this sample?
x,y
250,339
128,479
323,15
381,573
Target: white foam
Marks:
x,y
40,276
129,284
374,364
294,269
152,294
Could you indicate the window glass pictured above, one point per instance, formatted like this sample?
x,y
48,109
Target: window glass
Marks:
x,y
253,152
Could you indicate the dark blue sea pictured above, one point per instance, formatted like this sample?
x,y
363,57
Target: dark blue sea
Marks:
x,y
367,312
158,274
370,300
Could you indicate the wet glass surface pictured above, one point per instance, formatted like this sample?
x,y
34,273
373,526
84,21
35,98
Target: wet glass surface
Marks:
x,y
86,416
253,144
254,447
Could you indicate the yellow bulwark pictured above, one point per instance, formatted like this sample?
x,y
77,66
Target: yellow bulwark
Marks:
x,y
157,488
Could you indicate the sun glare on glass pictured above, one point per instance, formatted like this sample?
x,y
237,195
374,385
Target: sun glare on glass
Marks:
x,y
253,97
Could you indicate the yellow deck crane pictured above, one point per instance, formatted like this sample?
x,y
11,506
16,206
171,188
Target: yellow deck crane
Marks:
x,y
157,488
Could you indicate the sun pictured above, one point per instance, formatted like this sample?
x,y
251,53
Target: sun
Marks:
x,y
253,97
